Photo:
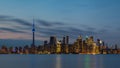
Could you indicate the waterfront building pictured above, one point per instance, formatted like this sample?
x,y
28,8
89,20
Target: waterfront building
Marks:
x,y
80,44
95,49
76,47
46,47
87,46
67,40
10,51
64,41
64,45
40,49
4,50
52,44
53,40
58,47
20,50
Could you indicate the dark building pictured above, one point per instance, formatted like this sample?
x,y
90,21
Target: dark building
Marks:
x,y
45,42
53,44
64,41
46,47
67,40
91,38
80,43
53,40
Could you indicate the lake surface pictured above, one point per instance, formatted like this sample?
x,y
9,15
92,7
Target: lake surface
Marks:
x,y
59,61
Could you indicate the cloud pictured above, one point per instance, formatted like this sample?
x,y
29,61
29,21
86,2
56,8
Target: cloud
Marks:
x,y
63,31
11,30
1,31
16,20
16,25
103,31
56,30
3,16
90,28
80,31
59,23
22,22
22,27
87,27
44,23
44,30
48,24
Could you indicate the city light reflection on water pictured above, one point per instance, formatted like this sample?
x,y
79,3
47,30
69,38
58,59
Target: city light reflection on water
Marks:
x,y
58,61
87,61
79,61
93,61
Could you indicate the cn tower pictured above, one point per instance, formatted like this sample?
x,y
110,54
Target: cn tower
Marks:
x,y
33,30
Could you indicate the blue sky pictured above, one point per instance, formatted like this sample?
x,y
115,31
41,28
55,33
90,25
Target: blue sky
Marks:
x,y
60,17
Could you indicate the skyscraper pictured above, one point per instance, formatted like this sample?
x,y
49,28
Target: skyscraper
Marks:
x,y
53,44
80,43
67,40
53,40
64,41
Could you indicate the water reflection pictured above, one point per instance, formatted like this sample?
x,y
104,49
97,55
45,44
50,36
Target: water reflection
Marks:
x,y
93,61
101,62
58,61
87,61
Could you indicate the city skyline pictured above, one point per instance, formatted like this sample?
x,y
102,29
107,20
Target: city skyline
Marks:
x,y
60,18
55,46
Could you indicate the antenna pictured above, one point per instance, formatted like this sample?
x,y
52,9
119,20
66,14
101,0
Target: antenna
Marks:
x,y
33,30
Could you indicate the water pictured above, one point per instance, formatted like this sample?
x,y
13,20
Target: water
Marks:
x,y
60,61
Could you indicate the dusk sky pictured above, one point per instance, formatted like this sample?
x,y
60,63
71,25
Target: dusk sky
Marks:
x,y
100,18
